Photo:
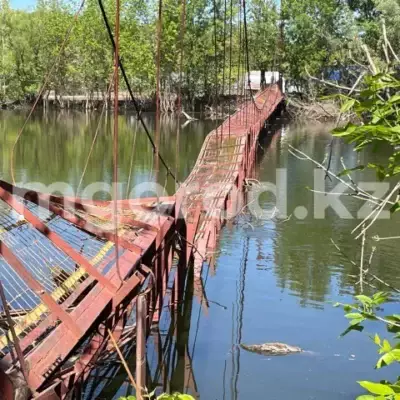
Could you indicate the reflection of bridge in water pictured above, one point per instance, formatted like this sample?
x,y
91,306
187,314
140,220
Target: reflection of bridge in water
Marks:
x,y
73,282
168,362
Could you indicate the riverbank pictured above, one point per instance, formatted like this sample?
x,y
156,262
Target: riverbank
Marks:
x,y
202,107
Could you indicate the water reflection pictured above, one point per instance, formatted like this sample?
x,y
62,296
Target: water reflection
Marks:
x,y
169,358
305,258
55,145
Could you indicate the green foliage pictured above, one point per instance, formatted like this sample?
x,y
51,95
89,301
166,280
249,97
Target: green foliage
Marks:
x,y
263,34
31,40
303,36
378,107
369,308
316,34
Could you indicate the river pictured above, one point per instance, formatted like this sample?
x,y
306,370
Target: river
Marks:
x,y
273,280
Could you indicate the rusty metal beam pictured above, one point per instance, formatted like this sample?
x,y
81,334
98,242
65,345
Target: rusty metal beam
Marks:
x,y
15,339
48,201
39,290
55,239
84,225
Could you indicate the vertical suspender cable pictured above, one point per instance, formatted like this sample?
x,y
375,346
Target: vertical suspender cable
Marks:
x,y
223,68
281,44
230,66
238,88
216,70
115,141
181,51
247,61
224,52
158,79
246,44
158,99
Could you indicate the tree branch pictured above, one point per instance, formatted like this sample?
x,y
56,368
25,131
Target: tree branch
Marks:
x,y
331,83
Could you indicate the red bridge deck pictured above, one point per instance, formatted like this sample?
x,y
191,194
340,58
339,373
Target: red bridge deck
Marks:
x,y
211,192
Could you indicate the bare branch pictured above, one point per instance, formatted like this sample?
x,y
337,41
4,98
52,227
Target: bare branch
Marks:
x,y
372,65
362,264
356,62
378,238
377,211
357,191
331,83
387,44
365,271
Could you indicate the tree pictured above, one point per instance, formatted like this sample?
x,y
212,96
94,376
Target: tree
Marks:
x,y
5,32
316,32
264,40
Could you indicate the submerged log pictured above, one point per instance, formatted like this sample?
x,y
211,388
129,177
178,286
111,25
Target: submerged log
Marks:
x,y
187,116
272,349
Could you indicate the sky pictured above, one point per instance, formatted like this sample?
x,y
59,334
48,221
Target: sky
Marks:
x,y
22,4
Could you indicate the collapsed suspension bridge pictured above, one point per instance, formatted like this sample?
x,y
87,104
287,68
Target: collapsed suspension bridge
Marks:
x,y
82,279
65,298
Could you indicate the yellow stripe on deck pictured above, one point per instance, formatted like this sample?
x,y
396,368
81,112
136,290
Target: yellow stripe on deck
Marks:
x,y
34,316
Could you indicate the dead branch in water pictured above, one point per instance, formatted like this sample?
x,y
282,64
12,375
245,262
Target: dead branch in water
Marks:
x,y
187,116
312,110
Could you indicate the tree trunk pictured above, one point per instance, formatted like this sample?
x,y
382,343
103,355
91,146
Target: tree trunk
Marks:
x,y
263,82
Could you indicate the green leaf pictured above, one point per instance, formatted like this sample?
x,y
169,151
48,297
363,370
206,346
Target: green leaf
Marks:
x,y
396,387
377,339
349,104
395,129
395,207
394,99
350,328
386,347
364,299
346,130
366,397
380,297
388,358
348,170
376,388
356,321
354,316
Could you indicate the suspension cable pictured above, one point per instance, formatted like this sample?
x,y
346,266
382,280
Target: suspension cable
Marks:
x,y
115,136
223,68
238,88
216,65
158,102
135,104
181,53
224,51
111,79
246,44
230,67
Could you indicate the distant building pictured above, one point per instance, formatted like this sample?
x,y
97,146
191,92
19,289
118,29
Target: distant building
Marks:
x,y
255,80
